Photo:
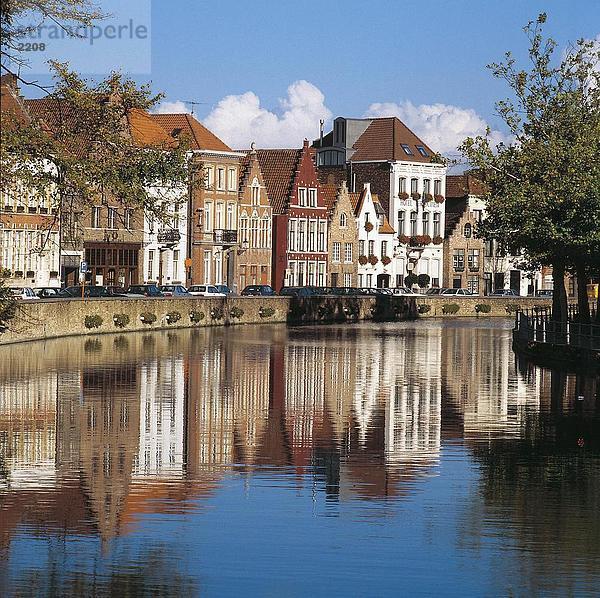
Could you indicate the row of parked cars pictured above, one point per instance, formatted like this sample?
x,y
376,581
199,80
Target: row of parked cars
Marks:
x,y
260,290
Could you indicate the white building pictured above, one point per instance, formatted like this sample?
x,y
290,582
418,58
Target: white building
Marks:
x,y
407,179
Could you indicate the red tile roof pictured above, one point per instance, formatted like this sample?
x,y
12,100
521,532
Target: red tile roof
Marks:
x,y
383,140
330,193
197,134
278,168
12,107
461,185
354,199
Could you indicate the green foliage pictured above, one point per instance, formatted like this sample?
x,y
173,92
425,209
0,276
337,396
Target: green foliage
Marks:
x,y
266,312
216,313
121,320
512,308
450,308
8,306
411,280
423,280
483,308
147,317
94,321
236,312
173,317
196,316
424,308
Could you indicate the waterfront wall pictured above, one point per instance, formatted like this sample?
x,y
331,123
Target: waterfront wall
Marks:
x,y
38,320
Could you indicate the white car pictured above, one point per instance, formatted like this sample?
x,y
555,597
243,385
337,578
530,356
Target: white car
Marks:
x,y
205,290
23,293
404,292
458,292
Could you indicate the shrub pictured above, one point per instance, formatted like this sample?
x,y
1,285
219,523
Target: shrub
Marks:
x,y
411,280
147,317
121,320
386,260
373,259
236,312
424,308
423,280
173,316
439,198
403,195
438,240
415,195
450,308
196,316
362,260
266,312
427,197
216,313
368,227
483,308
511,308
94,321
403,239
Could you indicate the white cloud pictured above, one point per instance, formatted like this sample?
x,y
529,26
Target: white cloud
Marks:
x,y
240,119
441,126
177,107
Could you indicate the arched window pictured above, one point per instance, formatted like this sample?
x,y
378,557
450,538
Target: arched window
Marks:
x,y
343,220
468,231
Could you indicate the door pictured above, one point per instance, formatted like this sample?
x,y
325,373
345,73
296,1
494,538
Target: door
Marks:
x,y
383,281
515,281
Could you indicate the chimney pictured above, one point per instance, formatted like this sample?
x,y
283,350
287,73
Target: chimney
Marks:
x,y
305,145
367,187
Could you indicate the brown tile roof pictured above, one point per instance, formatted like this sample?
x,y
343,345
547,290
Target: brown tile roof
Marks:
x,y
278,168
461,185
330,193
383,140
198,135
386,228
12,107
354,199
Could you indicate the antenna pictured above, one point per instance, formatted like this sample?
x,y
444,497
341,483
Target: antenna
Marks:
x,y
194,104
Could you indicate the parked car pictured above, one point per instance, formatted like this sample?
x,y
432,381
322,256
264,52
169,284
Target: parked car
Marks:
x,y
205,290
143,290
435,291
504,293
116,291
458,292
258,290
548,293
404,291
296,292
88,291
174,290
223,288
23,293
46,292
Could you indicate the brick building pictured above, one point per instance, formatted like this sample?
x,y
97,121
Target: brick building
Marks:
x,y
342,238
299,217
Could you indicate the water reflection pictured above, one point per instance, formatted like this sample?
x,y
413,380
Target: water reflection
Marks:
x,y
101,439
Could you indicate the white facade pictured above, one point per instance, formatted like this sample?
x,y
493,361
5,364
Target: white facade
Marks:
x,y
418,217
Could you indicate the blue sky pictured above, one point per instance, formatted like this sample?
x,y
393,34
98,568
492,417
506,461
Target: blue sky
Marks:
x,y
408,55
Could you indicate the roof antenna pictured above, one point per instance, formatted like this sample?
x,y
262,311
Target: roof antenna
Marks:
x,y
321,125
194,104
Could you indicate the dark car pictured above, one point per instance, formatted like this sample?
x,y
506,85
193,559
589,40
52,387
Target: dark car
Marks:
x,y
173,290
297,292
504,293
258,290
88,291
116,291
548,293
144,290
223,288
435,291
46,292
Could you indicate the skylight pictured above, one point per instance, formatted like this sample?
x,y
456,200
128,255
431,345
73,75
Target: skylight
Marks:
x,y
407,149
422,150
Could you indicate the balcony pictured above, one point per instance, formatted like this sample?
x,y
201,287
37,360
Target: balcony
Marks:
x,y
168,235
225,237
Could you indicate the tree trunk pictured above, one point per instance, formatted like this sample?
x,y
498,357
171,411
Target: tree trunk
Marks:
x,y
559,294
583,303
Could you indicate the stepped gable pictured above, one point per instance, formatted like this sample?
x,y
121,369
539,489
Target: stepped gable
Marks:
x,y
279,169
383,139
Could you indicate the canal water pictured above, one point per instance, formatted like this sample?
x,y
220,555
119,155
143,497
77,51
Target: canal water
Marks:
x,y
362,460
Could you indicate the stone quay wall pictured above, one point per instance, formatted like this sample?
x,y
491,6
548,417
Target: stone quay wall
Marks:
x,y
45,319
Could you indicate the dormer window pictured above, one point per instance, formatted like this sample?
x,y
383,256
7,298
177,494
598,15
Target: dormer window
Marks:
x,y
407,149
422,151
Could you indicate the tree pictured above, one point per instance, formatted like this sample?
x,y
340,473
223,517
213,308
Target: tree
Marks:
x,y
544,187
8,305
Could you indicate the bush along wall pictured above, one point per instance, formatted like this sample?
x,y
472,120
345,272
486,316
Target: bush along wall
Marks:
x,y
483,308
172,317
450,308
236,312
121,320
196,316
266,312
94,321
147,317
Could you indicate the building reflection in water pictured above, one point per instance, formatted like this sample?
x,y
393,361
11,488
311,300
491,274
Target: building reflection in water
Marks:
x,y
96,433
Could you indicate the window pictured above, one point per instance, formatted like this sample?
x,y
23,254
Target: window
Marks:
x,y
221,179
468,231
255,194
207,261
348,253
473,284
176,264
292,235
413,224
336,252
371,247
383,248
312,235
112,218
414,185
128,218
254,232
321,274
209,178
361,248
402,185
232,179
426,185
312,198
96,217
150,264
230,216
347,279
321,237
343,220
264,232
360,280
301,268
244,229
473,259
401,217
301,235
437,187
425,223
407,149
219,216
436,224
456,283
311,279
369,280
302,197
208,216
489,248
458,260
422,150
